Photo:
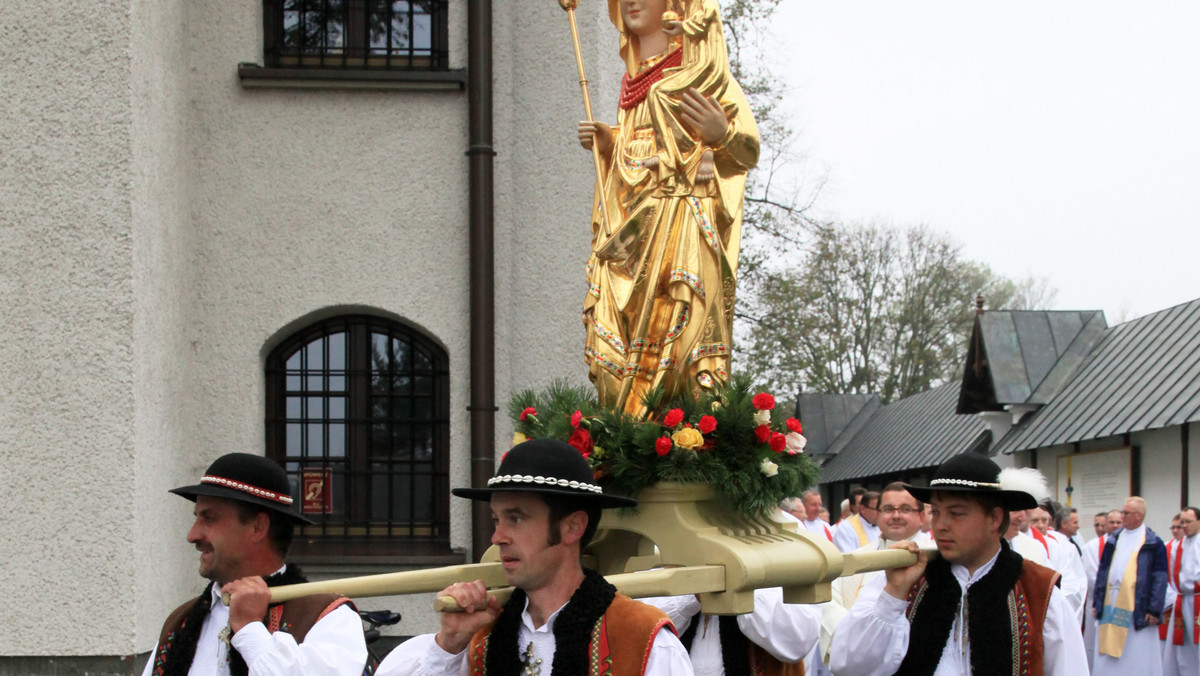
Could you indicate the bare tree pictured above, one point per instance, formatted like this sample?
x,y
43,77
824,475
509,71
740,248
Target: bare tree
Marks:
x,y
869,309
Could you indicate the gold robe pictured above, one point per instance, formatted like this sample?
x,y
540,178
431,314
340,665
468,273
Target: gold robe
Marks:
x,y
663,271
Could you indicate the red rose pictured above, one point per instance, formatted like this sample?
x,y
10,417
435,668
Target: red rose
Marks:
x,y
763,433
582,441
662,446
707,424
763,401
778,442
794,425
576,417
529,410
673,417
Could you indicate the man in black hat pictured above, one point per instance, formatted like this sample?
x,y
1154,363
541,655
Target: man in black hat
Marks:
x,y
244,525
562,619
977,609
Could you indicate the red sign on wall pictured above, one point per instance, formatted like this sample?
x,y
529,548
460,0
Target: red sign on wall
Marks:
x,y
317,489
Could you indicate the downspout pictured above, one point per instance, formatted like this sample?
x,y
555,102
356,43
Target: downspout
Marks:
x,y
481,265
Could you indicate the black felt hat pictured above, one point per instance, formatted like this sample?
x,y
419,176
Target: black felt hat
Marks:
x,y
247,478
546,466
975,473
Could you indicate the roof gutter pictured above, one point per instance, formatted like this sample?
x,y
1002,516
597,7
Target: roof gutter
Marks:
x,y
481,265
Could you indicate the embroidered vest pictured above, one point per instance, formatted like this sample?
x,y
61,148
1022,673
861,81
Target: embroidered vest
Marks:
x,y
619,646
1026,602
296,617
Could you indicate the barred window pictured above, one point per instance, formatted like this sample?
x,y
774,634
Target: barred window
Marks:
x,y
356,34
358,415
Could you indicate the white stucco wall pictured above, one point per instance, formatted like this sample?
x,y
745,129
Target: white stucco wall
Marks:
x,y
165,227
1194,464
163,278
66,354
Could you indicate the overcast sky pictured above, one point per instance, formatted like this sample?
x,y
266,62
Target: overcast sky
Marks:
x,y
1059,139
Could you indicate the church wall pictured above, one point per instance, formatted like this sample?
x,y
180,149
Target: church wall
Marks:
x,y
544,188
162,563
67,531
1194,464
1161,485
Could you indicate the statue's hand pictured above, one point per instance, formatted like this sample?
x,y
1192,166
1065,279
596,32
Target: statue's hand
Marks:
x,y
704,115
598,133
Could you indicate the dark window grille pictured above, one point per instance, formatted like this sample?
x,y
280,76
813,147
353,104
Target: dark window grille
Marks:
x,y
366,34
365,402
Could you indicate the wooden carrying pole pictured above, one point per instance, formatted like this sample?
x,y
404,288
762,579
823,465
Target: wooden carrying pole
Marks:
x,y
639,584
570,6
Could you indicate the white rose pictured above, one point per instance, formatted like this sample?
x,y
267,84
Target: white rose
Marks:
x,y
795,443
762,417
768,468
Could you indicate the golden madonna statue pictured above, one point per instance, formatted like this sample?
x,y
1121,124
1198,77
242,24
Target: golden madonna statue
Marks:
x,y
667,217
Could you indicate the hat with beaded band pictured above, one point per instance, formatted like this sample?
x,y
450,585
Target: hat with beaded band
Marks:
x,y
246,478
548,466
975,473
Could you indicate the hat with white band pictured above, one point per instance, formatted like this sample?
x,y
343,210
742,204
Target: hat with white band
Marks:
x,y
547,466
247,478
975,473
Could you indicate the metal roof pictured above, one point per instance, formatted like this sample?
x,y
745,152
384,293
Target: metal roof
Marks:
x,y
825,416
1144,374
1025,357
915,432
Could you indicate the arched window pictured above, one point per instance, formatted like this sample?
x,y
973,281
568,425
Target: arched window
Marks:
x,y
358,415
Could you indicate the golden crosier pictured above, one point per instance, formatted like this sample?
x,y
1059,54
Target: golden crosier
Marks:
x,y
568,5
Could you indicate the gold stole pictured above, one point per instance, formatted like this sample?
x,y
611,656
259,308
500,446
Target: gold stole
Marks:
x,y
1117,616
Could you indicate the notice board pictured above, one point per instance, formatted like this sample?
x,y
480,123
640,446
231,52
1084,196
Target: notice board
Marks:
x,y
1096,481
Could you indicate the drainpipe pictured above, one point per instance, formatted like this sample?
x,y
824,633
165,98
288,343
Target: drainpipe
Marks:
x,y
481,265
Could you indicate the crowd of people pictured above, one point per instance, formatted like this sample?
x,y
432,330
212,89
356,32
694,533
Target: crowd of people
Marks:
x,y
1015,588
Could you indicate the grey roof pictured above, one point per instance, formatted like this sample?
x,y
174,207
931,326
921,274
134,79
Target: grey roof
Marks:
x,y
915,432
1144,374
1025,357
825,416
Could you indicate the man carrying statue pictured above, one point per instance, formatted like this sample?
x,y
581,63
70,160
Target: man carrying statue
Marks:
x,y
562,619
244,525
666,225
979,608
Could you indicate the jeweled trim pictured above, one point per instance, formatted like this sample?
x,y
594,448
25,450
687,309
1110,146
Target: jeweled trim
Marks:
x,y
691,279
685,313
710,235
640,345
543,481
592,354
709,350
610,337
246,488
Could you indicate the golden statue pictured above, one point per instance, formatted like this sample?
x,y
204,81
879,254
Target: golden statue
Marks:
x,y
667,216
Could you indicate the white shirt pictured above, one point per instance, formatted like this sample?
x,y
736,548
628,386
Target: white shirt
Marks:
x,y
333,647
1066,561
845,537
1189,571
1026,546
872,639
820,527
422,656
788,631
845,591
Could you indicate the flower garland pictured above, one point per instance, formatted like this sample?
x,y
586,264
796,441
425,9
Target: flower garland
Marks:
x,y
732,438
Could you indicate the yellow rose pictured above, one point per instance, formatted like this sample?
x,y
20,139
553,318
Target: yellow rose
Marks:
x,y
519,438
688,438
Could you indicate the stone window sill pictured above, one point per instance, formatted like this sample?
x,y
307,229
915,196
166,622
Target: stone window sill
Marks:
x,y
254,76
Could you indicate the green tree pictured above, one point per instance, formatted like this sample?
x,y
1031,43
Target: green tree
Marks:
x,y
870,309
